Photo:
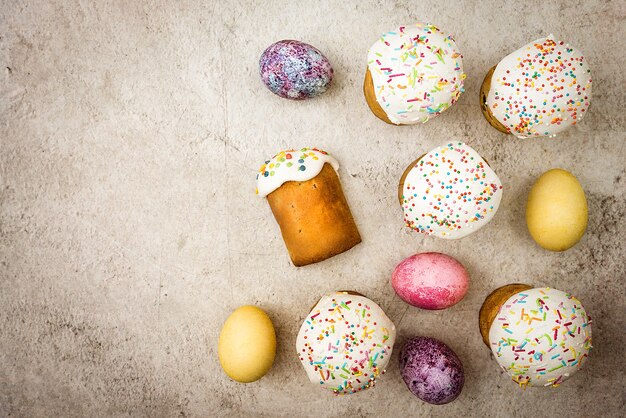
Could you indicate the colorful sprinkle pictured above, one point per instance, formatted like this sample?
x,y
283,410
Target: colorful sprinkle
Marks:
x,y
450,192
541,89
273,174
361,355
417,64
551,361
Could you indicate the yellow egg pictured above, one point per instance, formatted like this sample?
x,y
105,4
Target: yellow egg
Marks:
x,y
247,344
556,211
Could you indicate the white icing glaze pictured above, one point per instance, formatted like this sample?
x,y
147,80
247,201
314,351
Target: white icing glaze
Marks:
x,y
345,343
417,72
541,336
291,165
450,192
541,89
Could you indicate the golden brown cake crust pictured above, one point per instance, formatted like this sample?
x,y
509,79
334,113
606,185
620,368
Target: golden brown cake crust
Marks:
x,y
492,305
370,98
314,218
406,173
484,92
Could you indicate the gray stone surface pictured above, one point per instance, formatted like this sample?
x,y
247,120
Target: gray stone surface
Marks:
x,y
130,137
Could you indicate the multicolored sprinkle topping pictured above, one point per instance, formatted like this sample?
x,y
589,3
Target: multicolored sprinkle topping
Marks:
x,y
417,72
450,192
291,165
541,89
345,343
541,337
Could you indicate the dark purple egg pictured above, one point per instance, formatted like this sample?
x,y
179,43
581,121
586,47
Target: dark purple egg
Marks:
x,y
295,70
431,370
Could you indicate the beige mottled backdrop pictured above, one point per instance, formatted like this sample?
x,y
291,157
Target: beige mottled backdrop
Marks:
x,y
130,136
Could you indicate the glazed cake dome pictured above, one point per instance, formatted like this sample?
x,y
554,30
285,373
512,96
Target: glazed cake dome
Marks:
x,y
541,336
417,73
541,89
345,343
450,192
291,165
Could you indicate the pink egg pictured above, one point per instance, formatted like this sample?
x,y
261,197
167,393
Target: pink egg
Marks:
x,y
430,281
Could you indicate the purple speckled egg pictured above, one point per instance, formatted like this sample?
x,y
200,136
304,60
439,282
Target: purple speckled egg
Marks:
x,y
431,370
430,281
295,70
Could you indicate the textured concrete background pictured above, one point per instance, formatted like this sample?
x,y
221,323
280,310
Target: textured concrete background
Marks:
x,y
129,229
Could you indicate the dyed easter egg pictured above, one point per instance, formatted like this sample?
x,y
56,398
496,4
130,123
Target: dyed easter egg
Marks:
x,y
431,370
430,281
247,344
295,70
556,211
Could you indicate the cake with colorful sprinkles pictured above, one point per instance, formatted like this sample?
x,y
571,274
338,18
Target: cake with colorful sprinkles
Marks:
x,y
539,90
449,192
306,198
345,343
414,73
292,165
539,336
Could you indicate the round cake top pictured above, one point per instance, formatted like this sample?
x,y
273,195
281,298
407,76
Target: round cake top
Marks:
x,y
345,343
541,336
541,89
291,165
450,192
417,71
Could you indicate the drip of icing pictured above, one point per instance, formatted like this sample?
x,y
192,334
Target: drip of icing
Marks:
x,y
417,72
450,192
541,89
291,165
345,343
541,337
